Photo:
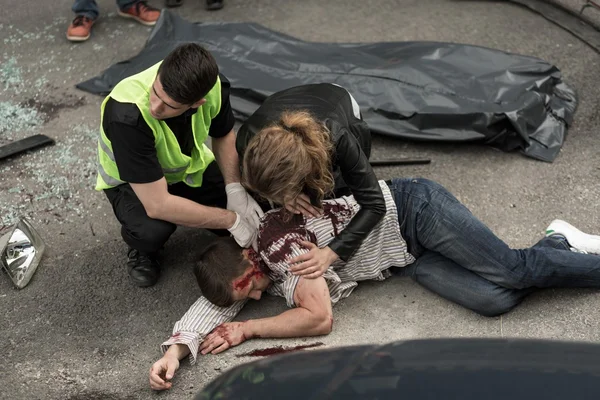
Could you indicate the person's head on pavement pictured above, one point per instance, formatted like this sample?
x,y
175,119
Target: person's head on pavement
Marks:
x,y
185,76
227,273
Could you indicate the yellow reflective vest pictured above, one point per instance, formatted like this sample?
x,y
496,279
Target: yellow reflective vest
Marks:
x,y
176,166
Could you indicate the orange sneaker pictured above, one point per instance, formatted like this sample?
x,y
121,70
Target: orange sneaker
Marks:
x,y
142,13
80,29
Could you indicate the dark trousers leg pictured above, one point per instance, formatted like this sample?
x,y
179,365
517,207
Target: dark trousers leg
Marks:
x,y
431,218
138,230
149,235
446,278
463,287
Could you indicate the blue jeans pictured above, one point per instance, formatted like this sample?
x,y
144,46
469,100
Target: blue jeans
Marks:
x,y
462,260
89,8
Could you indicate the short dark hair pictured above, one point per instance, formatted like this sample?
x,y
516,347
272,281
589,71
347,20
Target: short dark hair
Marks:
x,y
219,265
188,73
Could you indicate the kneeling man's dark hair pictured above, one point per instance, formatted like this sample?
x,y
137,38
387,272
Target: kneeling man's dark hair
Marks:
x,y
188,73
219,265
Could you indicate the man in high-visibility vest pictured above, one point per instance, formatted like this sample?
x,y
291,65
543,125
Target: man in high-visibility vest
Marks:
x,y
153,164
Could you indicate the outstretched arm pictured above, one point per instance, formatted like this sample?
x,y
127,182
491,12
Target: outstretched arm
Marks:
x,y
160,204
189,331
311,317
198,321
164,369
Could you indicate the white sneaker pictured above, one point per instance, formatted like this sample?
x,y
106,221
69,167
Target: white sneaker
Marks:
x,y
578,240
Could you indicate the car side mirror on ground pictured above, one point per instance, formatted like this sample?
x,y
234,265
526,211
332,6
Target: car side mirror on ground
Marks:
x,y
21,251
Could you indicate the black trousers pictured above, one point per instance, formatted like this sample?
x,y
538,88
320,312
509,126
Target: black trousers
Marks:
x,y
149,235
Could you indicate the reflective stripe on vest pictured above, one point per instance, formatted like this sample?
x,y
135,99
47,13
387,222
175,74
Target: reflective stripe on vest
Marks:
x,y
107,150
107,178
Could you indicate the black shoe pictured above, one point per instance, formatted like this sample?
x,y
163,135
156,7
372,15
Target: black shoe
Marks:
x,y
143,268
213,5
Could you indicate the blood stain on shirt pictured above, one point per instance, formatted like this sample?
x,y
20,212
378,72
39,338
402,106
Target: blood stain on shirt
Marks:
x,y
275,226
335,212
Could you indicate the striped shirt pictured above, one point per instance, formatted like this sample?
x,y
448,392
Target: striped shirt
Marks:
x,y
278,242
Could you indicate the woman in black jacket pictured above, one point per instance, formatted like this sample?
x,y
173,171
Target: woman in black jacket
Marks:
x,y
305,144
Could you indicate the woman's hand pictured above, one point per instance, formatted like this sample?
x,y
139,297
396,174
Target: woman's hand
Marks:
x,y
314,263
302,205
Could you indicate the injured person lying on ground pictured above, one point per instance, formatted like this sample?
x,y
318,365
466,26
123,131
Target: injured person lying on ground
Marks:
x,y
426,234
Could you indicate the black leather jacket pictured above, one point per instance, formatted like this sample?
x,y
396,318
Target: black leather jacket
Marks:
x,y
350,163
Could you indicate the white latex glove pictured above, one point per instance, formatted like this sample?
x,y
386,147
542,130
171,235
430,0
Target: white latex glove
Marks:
x,y
243,232
241,202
